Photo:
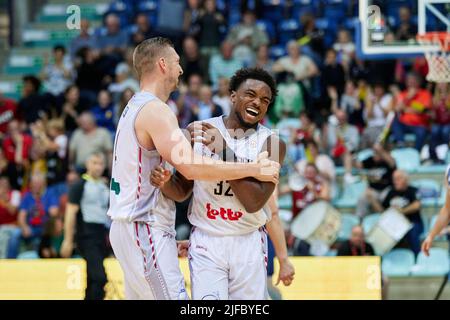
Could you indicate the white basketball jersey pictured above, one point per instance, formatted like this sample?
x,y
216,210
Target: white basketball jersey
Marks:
x,y
132,197
214,208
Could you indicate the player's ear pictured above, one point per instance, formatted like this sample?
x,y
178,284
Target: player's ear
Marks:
x,y
162,64
233,96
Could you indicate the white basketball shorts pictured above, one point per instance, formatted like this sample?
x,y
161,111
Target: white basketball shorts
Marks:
x,y
228,267
149,260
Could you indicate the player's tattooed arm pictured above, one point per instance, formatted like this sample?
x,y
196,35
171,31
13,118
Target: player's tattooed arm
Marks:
x,y
252,193
174,186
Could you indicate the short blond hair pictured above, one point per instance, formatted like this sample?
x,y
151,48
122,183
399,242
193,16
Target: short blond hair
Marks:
x,y
56,124
146,53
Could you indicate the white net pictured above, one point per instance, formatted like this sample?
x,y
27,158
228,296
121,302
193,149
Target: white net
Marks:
x,y
439,60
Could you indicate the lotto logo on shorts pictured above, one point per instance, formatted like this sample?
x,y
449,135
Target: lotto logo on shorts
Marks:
x,y
225,214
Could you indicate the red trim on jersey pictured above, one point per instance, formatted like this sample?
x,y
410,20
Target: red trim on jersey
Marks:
x,y
139,173
139,245
152,246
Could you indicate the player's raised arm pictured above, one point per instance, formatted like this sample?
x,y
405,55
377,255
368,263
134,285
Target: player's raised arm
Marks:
x,y
442,221
173,146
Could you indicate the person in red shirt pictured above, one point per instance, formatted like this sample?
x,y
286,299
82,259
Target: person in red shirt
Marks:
x,y
8,109
440,117
17,145
9,202
315,189
412,117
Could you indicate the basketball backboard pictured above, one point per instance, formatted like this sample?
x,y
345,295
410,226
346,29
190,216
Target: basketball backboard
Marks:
x,y
380,33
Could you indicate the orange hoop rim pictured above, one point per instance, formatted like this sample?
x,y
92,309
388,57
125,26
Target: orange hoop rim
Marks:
x,y
442,38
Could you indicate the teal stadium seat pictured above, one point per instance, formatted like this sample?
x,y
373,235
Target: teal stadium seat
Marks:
x,y
407,159
364,154
370,221
350,195
348,221
437,264
285,202
397,263
28,255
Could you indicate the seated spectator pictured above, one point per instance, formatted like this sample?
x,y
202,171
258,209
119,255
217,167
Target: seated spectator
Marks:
x,y
54,143
300,137
58,75
411,106
356,245
403,198
344,47
351,104
377,106
90,77
333,73
188,100
86,140
32,106
206,108
380,168
17,149
263,59
126,96
222,97
210,22
104,112
124,80
36,207
52,238
171,19
323,162
192,61
144,29
243,50
315,189
223,64
299,64
73,106
112,44
248,28
406,29
84,40
342,142
191,15
8,112
115,40
440,116
289,102
9,202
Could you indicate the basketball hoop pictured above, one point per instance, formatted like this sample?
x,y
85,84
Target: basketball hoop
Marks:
x,y
438,60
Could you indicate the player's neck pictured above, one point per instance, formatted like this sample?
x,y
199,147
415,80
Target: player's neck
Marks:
x,y
235,125
157,89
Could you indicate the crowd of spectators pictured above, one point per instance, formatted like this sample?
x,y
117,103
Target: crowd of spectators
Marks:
x,y
70,111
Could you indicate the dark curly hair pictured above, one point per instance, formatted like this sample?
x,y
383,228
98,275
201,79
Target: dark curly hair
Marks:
x,y
253,73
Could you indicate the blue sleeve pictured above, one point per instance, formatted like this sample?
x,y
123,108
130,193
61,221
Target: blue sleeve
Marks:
x,y
25,203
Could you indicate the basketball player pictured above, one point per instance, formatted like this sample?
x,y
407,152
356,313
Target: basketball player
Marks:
x,y
142,232
228,244
443,219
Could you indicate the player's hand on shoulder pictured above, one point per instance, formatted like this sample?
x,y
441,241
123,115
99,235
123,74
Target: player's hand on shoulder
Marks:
x,y
269,170
207,134
159,176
